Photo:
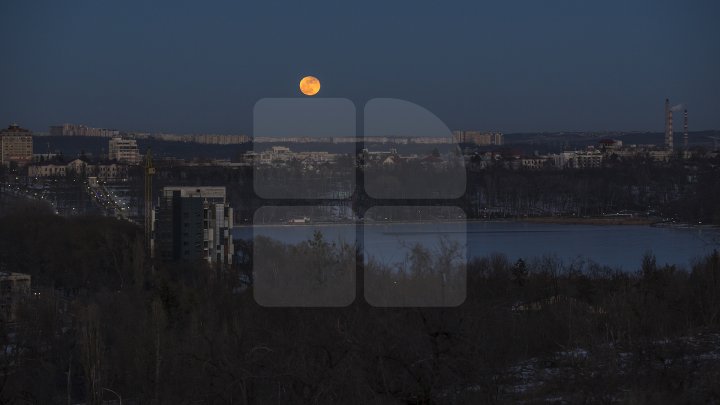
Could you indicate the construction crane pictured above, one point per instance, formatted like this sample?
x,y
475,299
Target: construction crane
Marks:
x,y
149,172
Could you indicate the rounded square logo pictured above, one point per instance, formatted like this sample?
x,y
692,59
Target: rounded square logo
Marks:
x,y
415,256
305,256
295,150
300,262
409,153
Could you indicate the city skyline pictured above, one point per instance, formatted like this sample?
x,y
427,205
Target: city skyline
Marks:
x,y
220,202
56,129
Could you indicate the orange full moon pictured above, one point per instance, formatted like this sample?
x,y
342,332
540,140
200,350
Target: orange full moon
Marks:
x,y
309,85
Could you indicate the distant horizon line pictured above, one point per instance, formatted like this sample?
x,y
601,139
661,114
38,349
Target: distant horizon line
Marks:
x,y
147,133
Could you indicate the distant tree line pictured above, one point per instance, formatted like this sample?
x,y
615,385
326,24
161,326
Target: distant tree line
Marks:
x,y
681,190
684,190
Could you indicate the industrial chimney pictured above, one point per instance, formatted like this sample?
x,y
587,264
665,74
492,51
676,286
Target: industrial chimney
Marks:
x,y
685,131
668,126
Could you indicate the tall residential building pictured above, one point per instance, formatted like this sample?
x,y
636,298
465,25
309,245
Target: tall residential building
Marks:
x,y
193,223
124,151
16,145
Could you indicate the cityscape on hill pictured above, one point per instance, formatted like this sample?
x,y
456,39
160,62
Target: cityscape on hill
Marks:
x,y
359,203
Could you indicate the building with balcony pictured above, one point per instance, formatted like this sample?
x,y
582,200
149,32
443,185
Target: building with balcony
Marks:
x,y
192,224
110,172
124,151
16,146
47,170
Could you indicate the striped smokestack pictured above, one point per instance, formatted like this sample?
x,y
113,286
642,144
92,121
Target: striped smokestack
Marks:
x,y
668,126
685,131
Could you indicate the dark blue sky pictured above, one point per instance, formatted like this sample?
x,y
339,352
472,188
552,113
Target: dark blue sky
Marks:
x,y
199,66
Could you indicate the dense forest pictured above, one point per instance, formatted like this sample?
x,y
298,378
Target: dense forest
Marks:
x,y
680,190
102,317
687,191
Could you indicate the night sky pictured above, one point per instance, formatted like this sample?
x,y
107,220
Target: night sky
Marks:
x,y
514,66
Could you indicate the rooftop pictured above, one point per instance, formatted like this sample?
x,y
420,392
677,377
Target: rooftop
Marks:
x,y
12,128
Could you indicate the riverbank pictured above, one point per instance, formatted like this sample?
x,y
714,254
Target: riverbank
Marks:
x,y
539,220
591,220
616,246
601,221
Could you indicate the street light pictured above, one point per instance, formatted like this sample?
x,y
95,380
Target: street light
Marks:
x,y
118,395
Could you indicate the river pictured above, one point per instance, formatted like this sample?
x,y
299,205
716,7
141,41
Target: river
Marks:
x,y
617,246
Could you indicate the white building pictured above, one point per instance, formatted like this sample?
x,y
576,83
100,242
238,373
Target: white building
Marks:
x,y
110,172
16,146
534,163
124,151
578,159
78,167
282,155
47,170
588,159
479,137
